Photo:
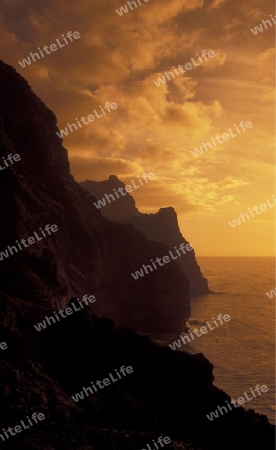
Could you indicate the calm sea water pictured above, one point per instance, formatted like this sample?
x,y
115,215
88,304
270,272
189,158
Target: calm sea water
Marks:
x,y
242,350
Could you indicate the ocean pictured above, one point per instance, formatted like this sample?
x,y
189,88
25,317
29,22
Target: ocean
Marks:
x,y
242,350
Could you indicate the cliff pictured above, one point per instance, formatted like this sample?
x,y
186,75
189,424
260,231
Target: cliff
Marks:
x,y
120,210
88,254
160,227
169,393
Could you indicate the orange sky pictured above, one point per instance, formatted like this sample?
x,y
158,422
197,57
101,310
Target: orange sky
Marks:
x,y
155,128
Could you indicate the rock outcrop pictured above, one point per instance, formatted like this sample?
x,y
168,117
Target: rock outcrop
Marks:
x,y
169,393
88,254
160,227
120,210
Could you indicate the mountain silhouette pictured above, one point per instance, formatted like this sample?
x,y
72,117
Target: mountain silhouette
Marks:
x,y
168,393
88,254
160,227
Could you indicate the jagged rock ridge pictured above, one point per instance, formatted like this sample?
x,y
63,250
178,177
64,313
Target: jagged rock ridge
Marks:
x,y
89,254
160,227
170,393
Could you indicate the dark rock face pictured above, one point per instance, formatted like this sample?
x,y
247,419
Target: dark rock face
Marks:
x,y
88,254
160,227
163,227
169,393
120,210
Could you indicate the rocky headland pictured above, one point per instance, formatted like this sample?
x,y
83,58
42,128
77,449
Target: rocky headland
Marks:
x,y
169,393
159,227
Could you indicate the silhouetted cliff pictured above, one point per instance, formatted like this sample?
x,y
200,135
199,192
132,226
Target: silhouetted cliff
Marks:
x,y
122,209
88,254
169,393
160,227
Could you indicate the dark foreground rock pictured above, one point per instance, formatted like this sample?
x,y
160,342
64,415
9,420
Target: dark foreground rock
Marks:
x,y
168,394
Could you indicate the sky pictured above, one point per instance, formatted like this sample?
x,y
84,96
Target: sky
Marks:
x,y
157,128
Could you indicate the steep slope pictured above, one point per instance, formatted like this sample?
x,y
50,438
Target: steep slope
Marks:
x,y
161,227
169,393
120,210
88,254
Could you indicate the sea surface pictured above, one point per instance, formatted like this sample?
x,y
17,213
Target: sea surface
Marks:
x,y
243,349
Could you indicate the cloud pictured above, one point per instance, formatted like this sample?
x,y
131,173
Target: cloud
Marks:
x,y
100,169
155,128
217,3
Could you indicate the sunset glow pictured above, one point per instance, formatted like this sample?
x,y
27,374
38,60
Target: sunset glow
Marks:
x,y
156,128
